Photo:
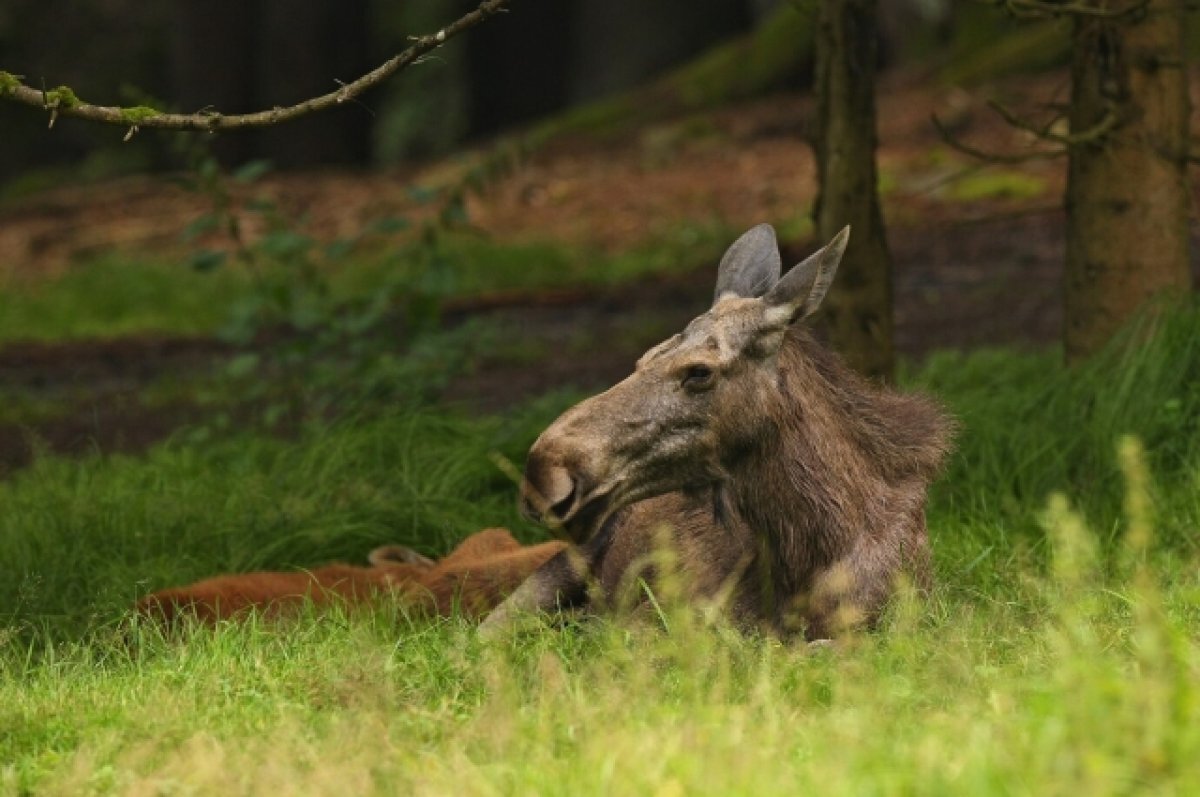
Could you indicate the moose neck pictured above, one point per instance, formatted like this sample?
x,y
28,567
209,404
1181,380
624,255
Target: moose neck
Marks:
x,y
842,459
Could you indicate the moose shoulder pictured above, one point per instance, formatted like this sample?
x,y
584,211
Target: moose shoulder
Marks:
x,y
791,487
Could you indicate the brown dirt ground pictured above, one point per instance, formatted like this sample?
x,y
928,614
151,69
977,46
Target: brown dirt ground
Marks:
x,y
736,166
969,272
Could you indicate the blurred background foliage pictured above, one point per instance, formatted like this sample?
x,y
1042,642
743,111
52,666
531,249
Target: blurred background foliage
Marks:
x,y
543,57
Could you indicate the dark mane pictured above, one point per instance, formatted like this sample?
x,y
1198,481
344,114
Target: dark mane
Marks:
x,y
851,461
905,435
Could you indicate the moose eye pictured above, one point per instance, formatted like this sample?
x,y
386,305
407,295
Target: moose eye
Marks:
x,y
697,377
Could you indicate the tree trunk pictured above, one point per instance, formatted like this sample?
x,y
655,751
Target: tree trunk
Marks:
x,y
1127,194
859,307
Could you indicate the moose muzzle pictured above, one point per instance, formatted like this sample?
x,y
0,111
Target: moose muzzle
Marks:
x,y
558,494
548,492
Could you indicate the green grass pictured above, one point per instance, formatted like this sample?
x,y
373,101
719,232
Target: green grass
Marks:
x,y
1056,688
995,184
243,502
1058,655
109,297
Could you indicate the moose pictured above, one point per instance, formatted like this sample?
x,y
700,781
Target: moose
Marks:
x,y
790,489
484,569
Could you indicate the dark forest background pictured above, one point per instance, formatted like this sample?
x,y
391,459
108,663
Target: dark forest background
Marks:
x,y
243,55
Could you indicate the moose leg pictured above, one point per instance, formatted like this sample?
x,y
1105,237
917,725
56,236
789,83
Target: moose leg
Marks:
x,y
562,582
853,592
476,584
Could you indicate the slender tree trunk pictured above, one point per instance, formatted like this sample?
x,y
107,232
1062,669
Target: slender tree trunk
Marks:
x,y
859,307
1127,194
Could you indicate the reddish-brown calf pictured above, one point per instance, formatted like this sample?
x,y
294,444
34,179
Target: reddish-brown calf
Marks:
x,y
474,578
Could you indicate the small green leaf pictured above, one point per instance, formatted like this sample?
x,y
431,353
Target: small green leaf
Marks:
x,y
206,259
307,312
243,320
251,171
242,365
274,413
205,224
455,212
284,244
336,250
388,225
260,205
421,195
208,169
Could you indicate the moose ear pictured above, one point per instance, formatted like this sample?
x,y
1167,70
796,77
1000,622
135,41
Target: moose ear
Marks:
x,y
799,293
751,265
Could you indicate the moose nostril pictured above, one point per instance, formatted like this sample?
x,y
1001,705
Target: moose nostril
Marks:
x,y
548,490
558,490
563,505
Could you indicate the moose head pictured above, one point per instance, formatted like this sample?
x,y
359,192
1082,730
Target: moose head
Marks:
x,y
695,405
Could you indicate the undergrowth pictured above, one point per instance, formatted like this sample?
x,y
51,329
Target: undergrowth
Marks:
x,y
108,297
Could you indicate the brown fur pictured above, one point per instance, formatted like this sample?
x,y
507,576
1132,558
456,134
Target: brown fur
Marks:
x,y
474,578
792,488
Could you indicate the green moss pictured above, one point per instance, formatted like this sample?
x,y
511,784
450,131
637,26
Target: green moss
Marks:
x,y
745,67
983,55
748,66
8,83
598,118
61,97
138,114
997,185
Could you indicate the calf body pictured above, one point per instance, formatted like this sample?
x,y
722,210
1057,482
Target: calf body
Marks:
x,y
474,578
790,487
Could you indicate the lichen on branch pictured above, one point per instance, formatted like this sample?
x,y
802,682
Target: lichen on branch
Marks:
x,y
138,114
61,98
8,83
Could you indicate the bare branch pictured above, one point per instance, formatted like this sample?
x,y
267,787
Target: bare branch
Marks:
x,y
992,157
1049,8
63,102
1095,133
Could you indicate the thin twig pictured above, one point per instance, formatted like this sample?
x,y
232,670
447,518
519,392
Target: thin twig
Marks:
x,y
1047,8
1065,141
993,217
61,103
992,157
1095,133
